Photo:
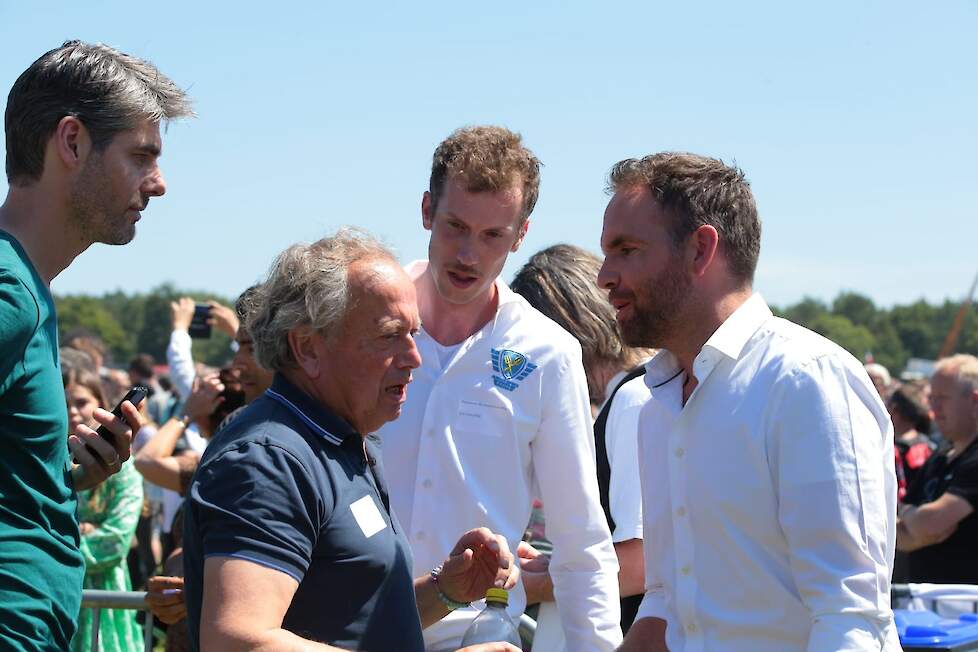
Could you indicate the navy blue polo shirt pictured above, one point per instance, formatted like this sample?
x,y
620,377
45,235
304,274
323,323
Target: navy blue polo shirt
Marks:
x,y
286,485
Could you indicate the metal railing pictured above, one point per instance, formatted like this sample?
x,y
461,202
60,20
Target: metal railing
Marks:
x,y
528,629
99,600
901,596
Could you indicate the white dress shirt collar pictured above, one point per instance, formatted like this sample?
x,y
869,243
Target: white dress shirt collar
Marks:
x,y
727,341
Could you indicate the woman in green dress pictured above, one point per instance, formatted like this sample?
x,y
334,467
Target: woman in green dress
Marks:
x,y
107,517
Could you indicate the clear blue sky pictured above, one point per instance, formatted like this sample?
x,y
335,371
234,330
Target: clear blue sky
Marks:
x,y
855,122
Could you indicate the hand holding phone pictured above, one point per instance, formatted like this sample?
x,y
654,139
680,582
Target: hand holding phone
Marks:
x,y
200,325
136,395
99,453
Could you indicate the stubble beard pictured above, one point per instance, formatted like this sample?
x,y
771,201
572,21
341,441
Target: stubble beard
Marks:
x,y
657,310
92,210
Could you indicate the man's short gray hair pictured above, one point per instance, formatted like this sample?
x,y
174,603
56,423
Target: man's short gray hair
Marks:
x,y
963,367
307,286
107,90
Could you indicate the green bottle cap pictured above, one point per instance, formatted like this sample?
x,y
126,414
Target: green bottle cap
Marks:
x,y
497,595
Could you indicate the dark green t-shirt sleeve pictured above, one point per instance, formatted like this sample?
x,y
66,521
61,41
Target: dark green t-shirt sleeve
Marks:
x,y
19,318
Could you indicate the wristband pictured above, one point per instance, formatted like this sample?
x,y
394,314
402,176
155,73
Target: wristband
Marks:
x,y
447,601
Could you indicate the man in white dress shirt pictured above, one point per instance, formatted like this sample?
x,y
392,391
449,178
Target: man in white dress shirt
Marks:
x,y
766,454
500,404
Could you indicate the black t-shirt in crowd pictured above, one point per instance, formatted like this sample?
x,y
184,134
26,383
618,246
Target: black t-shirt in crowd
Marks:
x,y
287,486
955,560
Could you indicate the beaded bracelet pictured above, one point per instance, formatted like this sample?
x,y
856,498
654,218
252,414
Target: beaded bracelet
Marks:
x,y
447,601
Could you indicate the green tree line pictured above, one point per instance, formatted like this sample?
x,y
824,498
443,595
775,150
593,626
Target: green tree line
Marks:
x,y
892,335
140,323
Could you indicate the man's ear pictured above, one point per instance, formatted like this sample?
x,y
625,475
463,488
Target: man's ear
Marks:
x,y
71,141
520,235
702,247
306,346
426,210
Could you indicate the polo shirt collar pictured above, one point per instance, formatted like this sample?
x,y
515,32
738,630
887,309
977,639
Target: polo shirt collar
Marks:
x,y
320,419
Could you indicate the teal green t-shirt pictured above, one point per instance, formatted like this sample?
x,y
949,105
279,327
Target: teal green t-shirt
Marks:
x,y
41,569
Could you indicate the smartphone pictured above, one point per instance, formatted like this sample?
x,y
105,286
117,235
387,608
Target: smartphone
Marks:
x,y
134,396
199,326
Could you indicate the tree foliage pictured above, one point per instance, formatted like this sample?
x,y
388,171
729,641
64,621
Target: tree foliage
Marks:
x,y
139,323
892,336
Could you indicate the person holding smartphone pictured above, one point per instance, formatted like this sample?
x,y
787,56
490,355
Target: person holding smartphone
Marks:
x,y
82,128
194,320
107,517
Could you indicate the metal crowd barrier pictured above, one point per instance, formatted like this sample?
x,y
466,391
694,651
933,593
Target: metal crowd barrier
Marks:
x,y
901,596
527,628
99,600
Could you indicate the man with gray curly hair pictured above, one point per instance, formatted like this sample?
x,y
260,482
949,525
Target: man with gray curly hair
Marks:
x,y
82,128
289,536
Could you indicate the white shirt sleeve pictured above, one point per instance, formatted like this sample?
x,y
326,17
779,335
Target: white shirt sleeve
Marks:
x,y
181,360
653,603
621,439
833,461
583,567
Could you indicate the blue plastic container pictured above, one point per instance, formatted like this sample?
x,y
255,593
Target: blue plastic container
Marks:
x,y
925,631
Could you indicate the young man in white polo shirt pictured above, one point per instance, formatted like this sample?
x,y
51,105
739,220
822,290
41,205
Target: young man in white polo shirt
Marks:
x,y
499,407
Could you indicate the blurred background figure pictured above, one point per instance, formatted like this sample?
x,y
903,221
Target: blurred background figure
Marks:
x,y
910,414
107,517
179,355
937,523
76,359
881,378
561,282
160,403
911,419
253,377
89,343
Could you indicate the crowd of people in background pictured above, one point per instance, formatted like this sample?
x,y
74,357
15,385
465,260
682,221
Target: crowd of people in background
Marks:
x,y
632,445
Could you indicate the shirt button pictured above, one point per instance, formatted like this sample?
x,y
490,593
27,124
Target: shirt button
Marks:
x,y
680,452
691,628
686,570
419,536
426,484
681,512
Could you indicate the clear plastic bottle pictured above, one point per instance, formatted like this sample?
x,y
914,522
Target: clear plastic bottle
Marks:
x,y
493,625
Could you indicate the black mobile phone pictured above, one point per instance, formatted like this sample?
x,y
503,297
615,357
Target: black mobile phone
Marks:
x,y
136,395
199,328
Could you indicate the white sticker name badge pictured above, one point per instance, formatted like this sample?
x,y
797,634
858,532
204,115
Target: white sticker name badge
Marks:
x,y
368,516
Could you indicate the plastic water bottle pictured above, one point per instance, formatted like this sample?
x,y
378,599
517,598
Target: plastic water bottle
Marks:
x,y
493,625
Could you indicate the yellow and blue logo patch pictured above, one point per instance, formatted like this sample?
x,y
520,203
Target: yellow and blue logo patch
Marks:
x,y
510,367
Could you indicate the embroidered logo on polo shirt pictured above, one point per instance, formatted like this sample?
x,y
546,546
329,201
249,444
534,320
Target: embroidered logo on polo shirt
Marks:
x,y
512,368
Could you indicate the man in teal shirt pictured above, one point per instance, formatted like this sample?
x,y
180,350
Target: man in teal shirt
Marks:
x,y
82,130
